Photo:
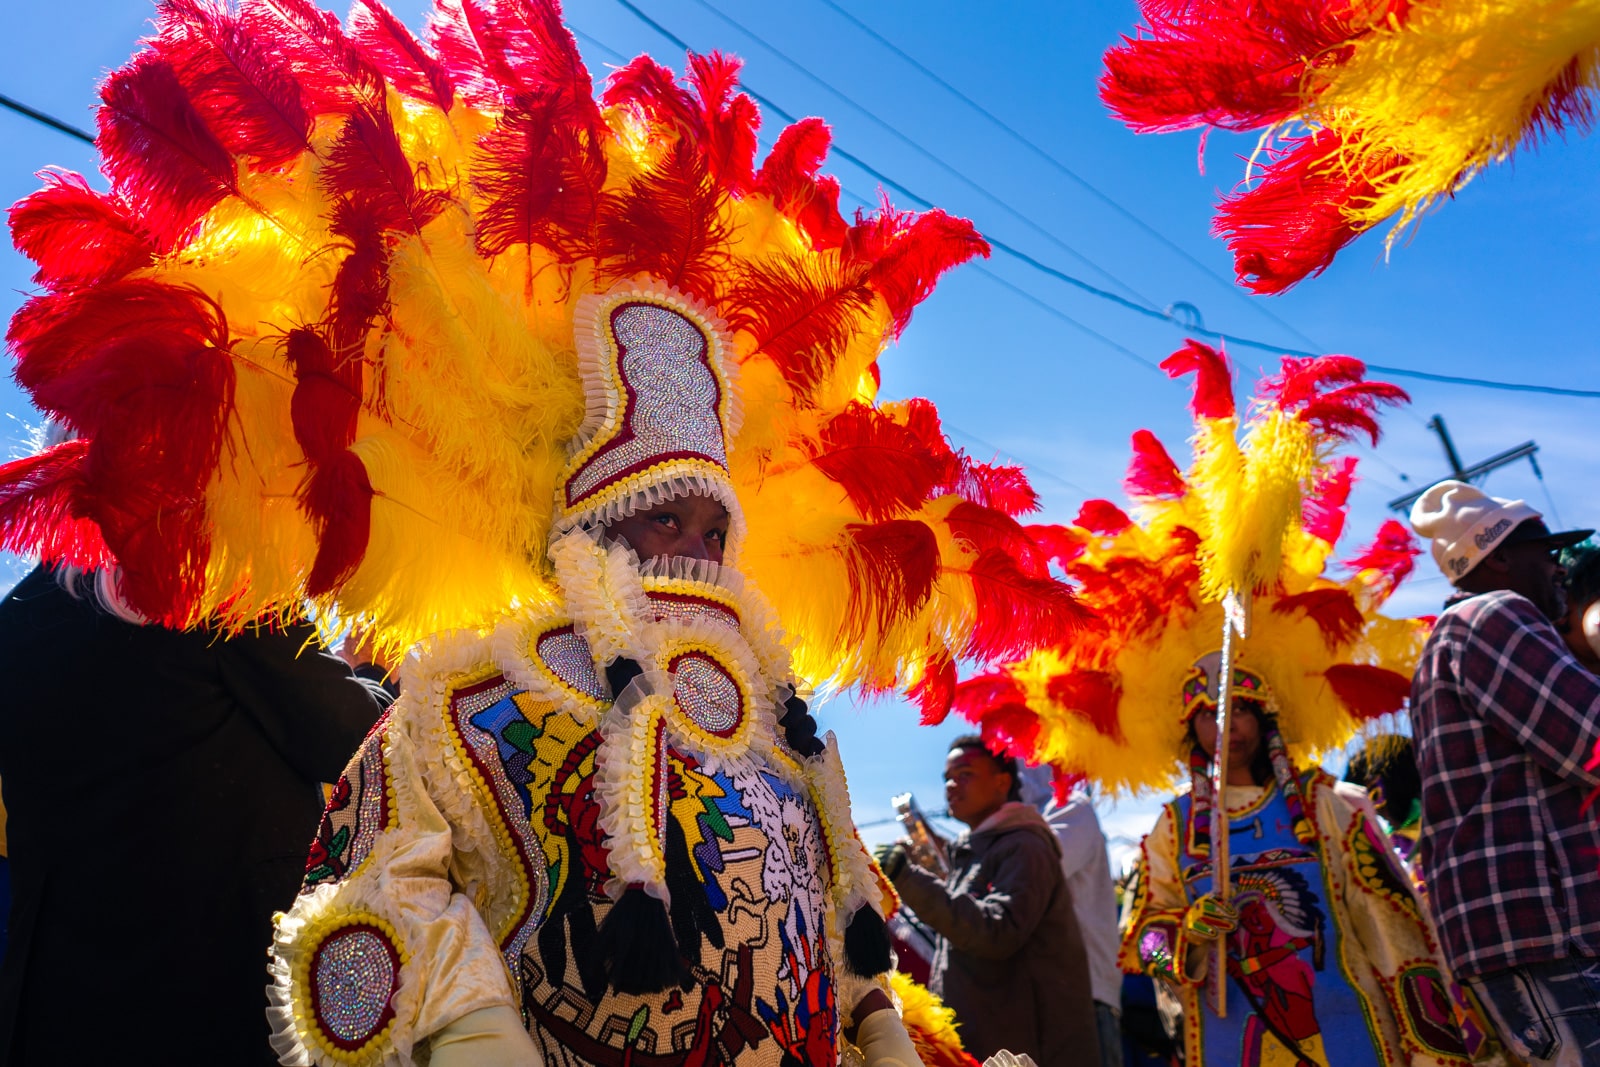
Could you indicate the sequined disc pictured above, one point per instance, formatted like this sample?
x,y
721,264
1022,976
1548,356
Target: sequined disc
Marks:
x,y
682,607
567,657
707,694
354,974
673,393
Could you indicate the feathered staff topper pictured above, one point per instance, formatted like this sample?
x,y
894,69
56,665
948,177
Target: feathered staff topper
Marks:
x,y
316,341
1372,108
1256,511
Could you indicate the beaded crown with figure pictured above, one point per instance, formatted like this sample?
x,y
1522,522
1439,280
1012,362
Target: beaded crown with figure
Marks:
x,y
365,319
1257,512
1370,108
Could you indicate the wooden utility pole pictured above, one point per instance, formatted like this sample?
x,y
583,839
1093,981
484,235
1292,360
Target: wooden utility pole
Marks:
x,y
1463,473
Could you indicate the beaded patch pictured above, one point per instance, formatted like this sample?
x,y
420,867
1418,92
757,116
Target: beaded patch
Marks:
x,y
1375,868
705,692
1426,1011
489,722
360,806
566,658
689,607
354,974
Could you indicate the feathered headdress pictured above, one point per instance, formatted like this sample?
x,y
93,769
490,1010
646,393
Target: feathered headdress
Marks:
x,y
1258,512
340,329
1372,108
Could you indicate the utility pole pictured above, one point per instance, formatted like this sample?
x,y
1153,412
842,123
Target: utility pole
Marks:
x,y
1474,473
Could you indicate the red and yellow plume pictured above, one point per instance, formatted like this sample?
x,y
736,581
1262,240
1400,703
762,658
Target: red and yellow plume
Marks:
x,y
316,341
1258,509
1371,108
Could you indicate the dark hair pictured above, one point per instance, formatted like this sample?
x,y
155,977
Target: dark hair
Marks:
x,y
1582,562
1005,764
1261,766
1388,760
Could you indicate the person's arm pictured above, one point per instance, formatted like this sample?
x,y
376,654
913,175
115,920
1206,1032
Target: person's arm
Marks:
x,y
998,923
1522,678
306,700
382,953
1156,939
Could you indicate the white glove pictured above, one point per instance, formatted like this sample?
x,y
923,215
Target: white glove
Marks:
x,y
883,1041
1009,1059
488,1037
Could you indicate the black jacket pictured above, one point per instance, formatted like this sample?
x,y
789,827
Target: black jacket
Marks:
x,y
1010,960
162,789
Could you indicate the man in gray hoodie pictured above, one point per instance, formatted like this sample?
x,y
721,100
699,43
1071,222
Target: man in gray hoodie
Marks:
x,y
1010,958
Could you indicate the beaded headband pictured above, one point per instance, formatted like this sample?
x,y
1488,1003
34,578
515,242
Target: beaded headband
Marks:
x,y
1199,692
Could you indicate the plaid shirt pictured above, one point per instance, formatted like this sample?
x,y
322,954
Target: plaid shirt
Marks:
x,y
1505,722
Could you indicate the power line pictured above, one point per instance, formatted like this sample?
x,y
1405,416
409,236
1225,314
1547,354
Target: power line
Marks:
x,y
1068,172
49,120
918,148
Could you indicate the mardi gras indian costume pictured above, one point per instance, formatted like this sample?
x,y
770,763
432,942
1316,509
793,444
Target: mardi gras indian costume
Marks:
x,y
406,330
1369,108
1328,958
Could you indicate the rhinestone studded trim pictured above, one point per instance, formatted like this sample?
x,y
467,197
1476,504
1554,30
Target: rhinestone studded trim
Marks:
x,y
355,972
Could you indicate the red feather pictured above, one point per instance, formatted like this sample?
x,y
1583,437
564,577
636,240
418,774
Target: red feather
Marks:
x,y
39,508
76,235
1367,691
361,287
162,159
249,100
1060,544
652,91
990,530
1012,730
1291,224
731,120
141,370
1334,611
1323,511
668,223
995,485
327,396
789,176
892,566
1102,517
909,252
541,178
338,497
803,312
392,49
1392,554
1152,475
1301,387
1092,695
1233,64
935,691
367,164
497,50
979,696
885,467
1213,385
1017,613
333,74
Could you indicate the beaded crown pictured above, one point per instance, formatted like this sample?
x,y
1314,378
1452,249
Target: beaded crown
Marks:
x,y
1257,512
366,319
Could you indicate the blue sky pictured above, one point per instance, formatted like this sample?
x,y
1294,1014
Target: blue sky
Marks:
x,y
1499,284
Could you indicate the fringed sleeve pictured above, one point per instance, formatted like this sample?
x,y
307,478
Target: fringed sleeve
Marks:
x,y
381,949
1154,941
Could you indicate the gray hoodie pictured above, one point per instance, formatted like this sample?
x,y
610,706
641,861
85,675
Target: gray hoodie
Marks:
x,y
1010,958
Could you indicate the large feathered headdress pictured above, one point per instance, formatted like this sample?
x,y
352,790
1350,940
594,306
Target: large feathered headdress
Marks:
x,y
363,319
1258,513
1372,108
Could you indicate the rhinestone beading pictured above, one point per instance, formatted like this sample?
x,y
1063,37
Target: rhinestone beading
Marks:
x,y
675,393
706,693
677,607
355,975
568,658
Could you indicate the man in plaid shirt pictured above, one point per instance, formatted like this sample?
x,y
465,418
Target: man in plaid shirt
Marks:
x,y
1506,722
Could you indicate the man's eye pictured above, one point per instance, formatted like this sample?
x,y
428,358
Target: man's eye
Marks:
x,y
670,521
721,536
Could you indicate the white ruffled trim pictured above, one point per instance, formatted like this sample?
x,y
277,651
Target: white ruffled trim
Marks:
x,y
623,772
514,651
600,584
854,883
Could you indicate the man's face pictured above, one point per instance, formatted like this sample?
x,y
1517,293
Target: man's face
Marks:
x,y
694,527
974,787
1533,570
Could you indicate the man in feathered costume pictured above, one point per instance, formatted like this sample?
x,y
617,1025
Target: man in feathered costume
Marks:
x,y
1327,956
425,335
